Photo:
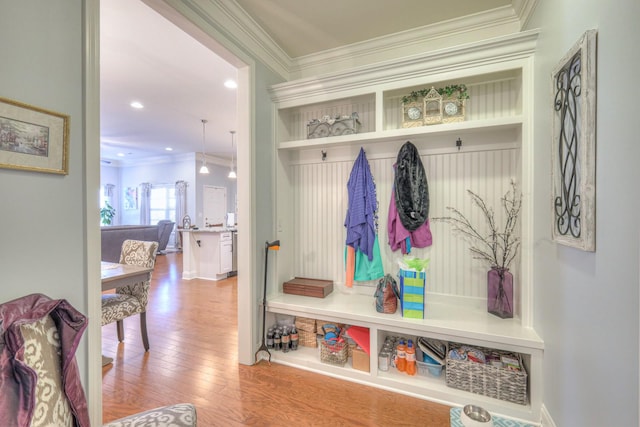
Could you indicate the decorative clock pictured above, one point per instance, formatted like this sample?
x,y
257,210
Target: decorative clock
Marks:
x,y
412,114
432,107
453,110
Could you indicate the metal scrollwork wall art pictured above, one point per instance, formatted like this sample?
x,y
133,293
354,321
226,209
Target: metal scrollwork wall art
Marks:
x,y
574,145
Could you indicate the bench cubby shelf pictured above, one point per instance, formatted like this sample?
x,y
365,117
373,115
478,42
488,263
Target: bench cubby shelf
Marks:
x,y
445,320
310,197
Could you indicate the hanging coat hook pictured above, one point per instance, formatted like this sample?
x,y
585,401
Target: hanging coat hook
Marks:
x,y
324,155
458,143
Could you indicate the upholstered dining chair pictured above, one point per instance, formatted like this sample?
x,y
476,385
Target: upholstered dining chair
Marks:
x,y
40,381
131,299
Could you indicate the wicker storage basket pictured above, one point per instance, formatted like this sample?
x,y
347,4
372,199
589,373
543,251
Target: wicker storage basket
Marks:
x,y
306,324
496,382
334,353
307,339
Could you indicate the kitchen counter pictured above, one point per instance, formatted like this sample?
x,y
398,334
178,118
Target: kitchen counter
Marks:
x,y
207,253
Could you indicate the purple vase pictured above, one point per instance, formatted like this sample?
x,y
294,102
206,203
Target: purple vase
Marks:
x,y
500,292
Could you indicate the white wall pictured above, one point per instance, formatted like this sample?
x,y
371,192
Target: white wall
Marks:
x,y
586,304
44,241
167,171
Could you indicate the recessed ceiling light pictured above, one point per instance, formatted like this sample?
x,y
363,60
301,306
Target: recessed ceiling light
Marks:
x,y
136,104
168,149
120,154
231,84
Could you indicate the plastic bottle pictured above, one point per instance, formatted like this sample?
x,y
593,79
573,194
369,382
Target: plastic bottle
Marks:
x,y
270,338
294,338
401,357
411,359
286,338
277,340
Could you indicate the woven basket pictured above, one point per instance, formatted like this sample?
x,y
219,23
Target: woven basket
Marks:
x,y
496,382
307,339
306,324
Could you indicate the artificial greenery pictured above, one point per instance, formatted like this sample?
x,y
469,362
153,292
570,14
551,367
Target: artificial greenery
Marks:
x,y
107,213
497,247
446,92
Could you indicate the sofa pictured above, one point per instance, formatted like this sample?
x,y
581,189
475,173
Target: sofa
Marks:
x,y
113,235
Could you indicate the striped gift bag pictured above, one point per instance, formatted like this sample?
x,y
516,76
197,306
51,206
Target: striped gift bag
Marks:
x,y
412,285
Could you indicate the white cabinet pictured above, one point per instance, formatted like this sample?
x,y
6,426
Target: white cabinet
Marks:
x,y
226,253
207,254
311,203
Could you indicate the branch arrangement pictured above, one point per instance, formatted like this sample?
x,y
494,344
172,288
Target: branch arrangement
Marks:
x,y
498,248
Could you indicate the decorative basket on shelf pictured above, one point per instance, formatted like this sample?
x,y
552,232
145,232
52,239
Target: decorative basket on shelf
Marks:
x,y
334,353
488,380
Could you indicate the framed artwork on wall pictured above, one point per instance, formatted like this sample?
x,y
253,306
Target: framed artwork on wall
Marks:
x,y
574,145
33,138
131,198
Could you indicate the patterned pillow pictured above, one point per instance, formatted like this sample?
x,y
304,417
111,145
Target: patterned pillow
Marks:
x,y
42,354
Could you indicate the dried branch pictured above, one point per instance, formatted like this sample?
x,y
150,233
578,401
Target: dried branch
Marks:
x,y
498,248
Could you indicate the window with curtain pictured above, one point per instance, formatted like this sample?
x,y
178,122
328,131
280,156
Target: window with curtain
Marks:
x,y
162,203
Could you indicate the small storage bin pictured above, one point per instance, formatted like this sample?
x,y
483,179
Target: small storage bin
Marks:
x,y
429,369
307,339
334,353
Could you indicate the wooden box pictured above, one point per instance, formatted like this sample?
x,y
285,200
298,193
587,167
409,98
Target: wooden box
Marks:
x,y
308,287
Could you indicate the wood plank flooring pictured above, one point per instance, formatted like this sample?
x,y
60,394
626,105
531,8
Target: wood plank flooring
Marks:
x,y
193,358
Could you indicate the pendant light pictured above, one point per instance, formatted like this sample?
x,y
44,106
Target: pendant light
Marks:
x,y
232,172
203,169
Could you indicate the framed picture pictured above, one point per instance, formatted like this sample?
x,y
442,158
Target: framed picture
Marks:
x,y
574,146
131,198
33,138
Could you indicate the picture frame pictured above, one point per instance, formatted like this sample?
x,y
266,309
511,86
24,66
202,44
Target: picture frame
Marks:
x,y
130,198
574,145
33,138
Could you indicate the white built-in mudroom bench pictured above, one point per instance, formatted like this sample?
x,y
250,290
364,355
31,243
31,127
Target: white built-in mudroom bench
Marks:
x,y
483,153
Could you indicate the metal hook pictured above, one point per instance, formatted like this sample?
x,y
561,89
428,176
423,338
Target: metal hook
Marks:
x,y
324,155
458,143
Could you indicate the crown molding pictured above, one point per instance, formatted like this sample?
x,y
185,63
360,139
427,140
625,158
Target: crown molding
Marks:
x,y
498,49
228,24
482,25
524,9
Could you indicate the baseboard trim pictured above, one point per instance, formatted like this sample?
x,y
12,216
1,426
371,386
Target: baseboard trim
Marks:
x,y
545,418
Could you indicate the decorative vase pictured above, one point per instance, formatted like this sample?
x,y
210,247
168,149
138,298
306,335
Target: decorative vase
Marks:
x,y
500,292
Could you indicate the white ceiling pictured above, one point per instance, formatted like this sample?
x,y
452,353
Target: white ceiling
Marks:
x,y
146,58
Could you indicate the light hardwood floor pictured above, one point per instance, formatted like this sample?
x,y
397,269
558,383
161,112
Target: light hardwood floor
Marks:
x,y
193,358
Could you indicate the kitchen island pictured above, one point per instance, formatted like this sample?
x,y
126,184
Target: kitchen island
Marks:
x,y
207,253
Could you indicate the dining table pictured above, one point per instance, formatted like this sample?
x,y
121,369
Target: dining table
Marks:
x,y
115,275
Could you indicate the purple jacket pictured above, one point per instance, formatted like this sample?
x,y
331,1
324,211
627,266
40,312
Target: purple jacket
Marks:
x,y
398,234
17,380
362,207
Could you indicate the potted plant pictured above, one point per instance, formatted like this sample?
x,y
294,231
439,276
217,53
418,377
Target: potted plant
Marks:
x,y
107,213
496,246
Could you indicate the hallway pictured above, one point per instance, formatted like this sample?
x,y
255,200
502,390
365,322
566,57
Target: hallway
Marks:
x,y
193,358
